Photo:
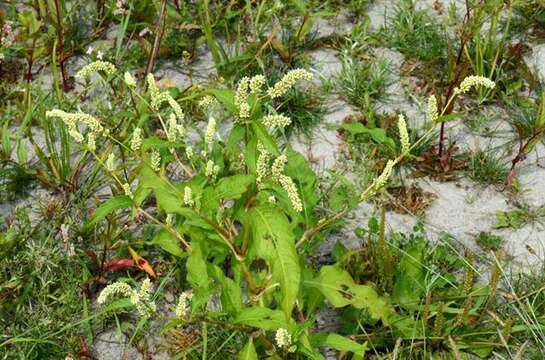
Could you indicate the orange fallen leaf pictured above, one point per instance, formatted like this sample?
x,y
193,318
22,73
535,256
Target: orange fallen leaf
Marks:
x,y
142,263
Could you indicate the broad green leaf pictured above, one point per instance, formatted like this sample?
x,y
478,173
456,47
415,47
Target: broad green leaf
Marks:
x,y
338,342
156,143
305,347
227,98
276,244
340,289
248,351
300,171
107,207
232,187
410,275
232,147
336,285
168,242
231,297
197,276
169,198
377,134
265,138
262,318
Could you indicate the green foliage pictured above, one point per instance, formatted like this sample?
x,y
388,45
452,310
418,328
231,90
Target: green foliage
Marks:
x,y
487,167
362,82
416,34
39,300
431,303
199,209
488,241
228,209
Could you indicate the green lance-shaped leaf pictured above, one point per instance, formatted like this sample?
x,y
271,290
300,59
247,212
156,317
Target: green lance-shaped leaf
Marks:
x,y
197,276
231,298
107,207
248,351
261,318
275,242
338,342
168,242
340,290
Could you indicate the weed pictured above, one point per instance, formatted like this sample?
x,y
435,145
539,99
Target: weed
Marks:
x,y
415,33
436,309
487,167
40,297
488,241
518,217
150,190
15,180
363,82
410,200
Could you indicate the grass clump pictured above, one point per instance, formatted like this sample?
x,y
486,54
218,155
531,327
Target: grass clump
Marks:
x,y
41,294
415,33
363,82
487,167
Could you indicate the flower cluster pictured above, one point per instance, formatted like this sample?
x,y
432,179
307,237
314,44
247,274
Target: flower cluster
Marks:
x,y
176,108
121,7
127,189
188,196
256,84
140,298
289,186
246,86
207,102
157,97
433,112
94,67
110,162
278,166
73,119
385,175
155,160
136,139
262,164
283,338
210,131
182,309
129,80
403,133
287,82
241,98
472,81
117,288
91,141
175,130
276,172
279,120
172,128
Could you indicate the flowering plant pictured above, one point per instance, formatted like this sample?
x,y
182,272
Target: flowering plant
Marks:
x,y
236,208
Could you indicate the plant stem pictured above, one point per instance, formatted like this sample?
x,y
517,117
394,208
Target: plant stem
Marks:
x,y
61,46
159,30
